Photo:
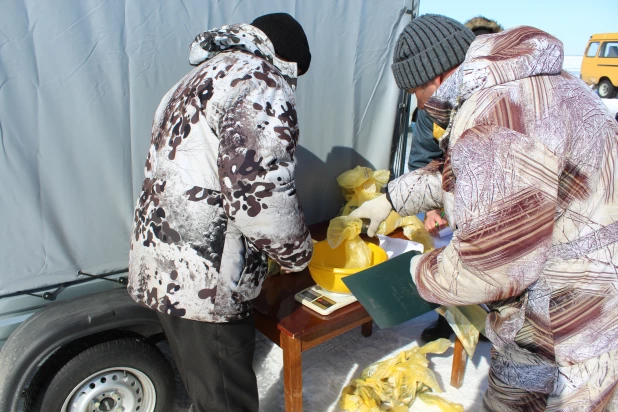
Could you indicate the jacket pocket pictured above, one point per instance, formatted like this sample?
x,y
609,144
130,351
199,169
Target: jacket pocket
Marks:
x,y
253,273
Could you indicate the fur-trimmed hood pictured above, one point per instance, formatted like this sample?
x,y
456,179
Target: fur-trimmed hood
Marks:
x,y
483,23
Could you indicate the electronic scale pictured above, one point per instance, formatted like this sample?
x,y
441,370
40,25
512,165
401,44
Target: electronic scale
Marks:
x,y
323,301
326,302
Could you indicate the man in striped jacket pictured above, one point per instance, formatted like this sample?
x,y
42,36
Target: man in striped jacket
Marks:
x,y
529,186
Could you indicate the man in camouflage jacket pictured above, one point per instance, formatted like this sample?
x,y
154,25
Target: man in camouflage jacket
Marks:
x,y
529,184
218,200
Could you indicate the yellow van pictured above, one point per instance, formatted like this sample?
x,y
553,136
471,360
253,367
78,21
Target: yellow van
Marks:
x,y
600,64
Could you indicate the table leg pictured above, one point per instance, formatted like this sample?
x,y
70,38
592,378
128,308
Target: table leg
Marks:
x,y
292,373
367,329
459,364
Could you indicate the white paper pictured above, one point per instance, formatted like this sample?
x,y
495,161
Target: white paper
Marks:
x,y
395,247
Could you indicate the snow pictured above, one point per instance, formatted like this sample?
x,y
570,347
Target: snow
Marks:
x,y
573,64
329,367
612,105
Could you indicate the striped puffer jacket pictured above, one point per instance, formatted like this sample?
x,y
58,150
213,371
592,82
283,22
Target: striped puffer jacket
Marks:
x,y
529,187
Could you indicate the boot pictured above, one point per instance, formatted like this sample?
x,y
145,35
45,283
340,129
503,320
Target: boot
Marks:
x,y
438,329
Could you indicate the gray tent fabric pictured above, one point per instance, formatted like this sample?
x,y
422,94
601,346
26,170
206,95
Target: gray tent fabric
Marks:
x,y
79,84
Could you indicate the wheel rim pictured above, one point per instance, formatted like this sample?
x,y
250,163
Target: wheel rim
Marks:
x,y
603,89
113,390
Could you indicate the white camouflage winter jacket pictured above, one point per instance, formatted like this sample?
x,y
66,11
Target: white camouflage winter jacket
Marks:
x,y
219,196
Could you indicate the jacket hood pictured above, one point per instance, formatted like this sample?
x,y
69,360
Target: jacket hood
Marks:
x,y
239,37
483,23
504,57
511,55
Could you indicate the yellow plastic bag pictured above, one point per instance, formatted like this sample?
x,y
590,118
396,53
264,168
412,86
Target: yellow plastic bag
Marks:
x,y
361,184
438,132
394,384
356,200
346,230
392,222
443,404
414,229
363,177
467,322
274,268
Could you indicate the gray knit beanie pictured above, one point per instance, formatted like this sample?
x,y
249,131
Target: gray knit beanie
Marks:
x,y
429,46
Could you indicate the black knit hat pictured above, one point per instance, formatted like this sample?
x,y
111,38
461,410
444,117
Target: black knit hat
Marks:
x,y
429,46
288,37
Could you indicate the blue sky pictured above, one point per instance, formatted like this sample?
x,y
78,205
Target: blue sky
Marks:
x,y
573,22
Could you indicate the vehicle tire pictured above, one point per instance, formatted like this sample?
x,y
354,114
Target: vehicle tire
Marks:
x,y
125,374
606,89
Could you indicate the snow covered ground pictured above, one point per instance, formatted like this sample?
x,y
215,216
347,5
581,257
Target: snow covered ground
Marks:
x,y
573,64
612,105
329,367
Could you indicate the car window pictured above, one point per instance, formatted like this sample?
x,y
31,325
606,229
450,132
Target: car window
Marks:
x,y
609,49
592,49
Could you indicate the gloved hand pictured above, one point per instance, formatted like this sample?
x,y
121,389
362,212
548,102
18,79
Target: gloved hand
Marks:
x,y
376,210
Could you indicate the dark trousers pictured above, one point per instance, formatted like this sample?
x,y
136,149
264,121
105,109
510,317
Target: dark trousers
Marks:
x,y
215,361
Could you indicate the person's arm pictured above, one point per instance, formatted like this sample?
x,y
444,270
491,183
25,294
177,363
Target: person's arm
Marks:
x,y
258,134
505,194
412,193
417,191
424,147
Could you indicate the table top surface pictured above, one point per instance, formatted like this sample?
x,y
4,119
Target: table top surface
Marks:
x,y
276,301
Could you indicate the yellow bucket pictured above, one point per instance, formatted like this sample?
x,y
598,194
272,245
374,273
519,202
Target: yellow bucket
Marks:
x,y
326,265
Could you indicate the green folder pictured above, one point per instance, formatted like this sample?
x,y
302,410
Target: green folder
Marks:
x,y
388,293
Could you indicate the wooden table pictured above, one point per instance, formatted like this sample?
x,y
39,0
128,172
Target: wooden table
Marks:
x,y
296,328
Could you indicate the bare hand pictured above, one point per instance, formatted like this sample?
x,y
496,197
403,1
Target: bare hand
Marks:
x,y
434,222
288,271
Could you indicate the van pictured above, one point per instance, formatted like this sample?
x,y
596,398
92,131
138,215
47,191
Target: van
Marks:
x,y
600,64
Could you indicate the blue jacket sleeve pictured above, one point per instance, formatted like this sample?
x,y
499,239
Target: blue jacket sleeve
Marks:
x,y
425,147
